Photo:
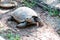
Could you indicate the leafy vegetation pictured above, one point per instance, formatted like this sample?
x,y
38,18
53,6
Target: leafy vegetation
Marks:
x,y
11,36
29,3
53,12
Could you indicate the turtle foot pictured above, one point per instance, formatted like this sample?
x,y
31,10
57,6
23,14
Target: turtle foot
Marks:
x,y
22,25
11,19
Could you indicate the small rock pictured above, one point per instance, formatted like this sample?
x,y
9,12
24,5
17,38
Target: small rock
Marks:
x,y
1,38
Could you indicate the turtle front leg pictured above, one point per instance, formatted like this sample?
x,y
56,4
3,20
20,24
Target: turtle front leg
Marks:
x,y
39,23
22,25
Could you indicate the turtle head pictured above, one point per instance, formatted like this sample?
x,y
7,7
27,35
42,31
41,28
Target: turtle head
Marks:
x,y
37,20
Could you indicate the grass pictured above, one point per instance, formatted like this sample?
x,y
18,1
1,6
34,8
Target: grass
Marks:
x,y
29,3
53,12
11,36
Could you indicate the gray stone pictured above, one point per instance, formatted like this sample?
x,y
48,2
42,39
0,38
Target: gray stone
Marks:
x,y
1,38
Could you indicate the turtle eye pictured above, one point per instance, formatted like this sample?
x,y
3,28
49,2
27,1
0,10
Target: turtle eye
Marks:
x,y
28,20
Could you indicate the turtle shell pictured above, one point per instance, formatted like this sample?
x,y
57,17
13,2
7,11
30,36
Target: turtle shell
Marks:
x,y
22,13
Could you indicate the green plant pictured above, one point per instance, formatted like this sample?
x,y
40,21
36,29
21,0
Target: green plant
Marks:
x,y
12,36
29,3
9,35
53,12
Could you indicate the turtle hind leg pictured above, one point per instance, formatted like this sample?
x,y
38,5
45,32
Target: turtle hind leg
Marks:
x,y
22,25
11,19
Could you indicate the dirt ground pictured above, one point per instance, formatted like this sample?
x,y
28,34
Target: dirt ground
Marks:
x,y
33,32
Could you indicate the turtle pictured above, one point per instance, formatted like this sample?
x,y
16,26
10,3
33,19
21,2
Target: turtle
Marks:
x,y
25,16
